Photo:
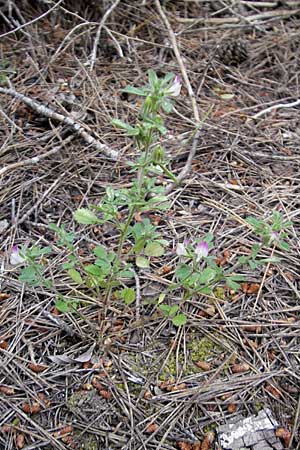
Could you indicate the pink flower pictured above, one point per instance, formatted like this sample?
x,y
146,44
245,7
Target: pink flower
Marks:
x,y
274,236
15,257
181,250
174,89
201,250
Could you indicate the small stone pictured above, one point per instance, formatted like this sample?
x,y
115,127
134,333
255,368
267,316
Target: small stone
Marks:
x,y
250,439
277,446
261,446
237,444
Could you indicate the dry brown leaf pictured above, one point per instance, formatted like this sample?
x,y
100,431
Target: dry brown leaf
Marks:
x,y
203,365
4,296
37,368
7,390
182,445
87,387
252,328
20,440
4,345
65,430
147,395
31,409
165,269
274,391
231,408
240,368
69,441
222,260
151,427
283,434
105,394
138,217
251,343
196,446
250,288
44,399
97,385
178,387
208,441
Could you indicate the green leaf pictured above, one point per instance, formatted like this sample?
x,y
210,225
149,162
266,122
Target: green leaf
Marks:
x,y
252,264
207,275
126,274
120,124
62,306
100,251
226,96
104,264
254,222
161,298
168,77
142,262
284,245
136,91
237,277
154,249
86,217
208,237
68,265
66,305
179,320
272,259
232,284
165,309
152,77
29,275
133,132
243,259
173,310
183,272
205,290
167,106
128,295
93,270
75,275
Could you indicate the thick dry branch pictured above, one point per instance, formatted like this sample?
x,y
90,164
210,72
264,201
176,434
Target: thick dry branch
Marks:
x,y
34,160
253,19
98,34
272,108
76,127
185,171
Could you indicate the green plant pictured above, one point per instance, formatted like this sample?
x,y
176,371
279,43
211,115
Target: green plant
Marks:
x,y
199,273
109,270
33,273
272,232
106,272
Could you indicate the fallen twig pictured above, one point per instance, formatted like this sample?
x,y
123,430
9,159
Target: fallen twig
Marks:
x,y
48,112
272,108
138,295
35,159
33,20
252,20
98,34
184,172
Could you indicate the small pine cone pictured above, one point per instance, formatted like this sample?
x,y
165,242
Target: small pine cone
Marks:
x,y
232,52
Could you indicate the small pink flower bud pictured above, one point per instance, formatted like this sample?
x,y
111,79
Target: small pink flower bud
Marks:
x,y
201,250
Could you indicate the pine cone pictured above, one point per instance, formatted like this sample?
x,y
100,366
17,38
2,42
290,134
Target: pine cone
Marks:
x,y
233,52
